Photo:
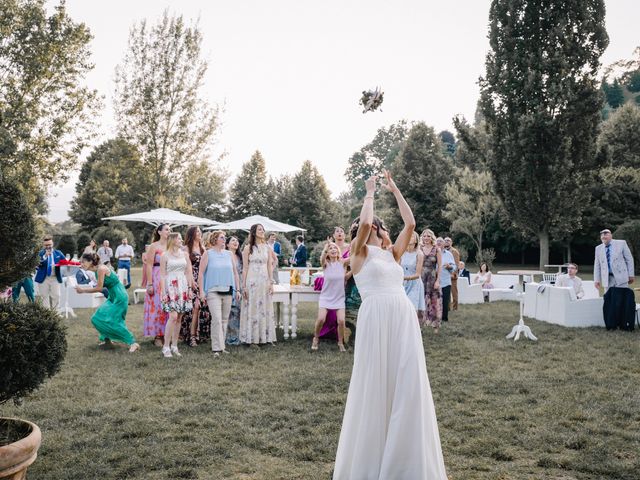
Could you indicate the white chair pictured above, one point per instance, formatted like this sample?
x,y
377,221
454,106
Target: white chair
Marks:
x,y
505,287
122,275
567,310
549,277
530,299
469,294
590,290
137,292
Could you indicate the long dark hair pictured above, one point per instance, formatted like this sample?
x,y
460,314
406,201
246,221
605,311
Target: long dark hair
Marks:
x,y
237,252
190,240
252,236
156,232
355,225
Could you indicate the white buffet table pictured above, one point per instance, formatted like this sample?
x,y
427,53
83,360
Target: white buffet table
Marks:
x,y
291,296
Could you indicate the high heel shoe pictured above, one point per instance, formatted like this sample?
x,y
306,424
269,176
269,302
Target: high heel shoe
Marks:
x,y
166,351
341,347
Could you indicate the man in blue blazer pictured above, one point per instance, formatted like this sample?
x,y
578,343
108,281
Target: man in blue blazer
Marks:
x,y
48,275
300,255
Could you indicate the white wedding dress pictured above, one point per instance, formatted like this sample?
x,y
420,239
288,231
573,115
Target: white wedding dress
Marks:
x,y
389,430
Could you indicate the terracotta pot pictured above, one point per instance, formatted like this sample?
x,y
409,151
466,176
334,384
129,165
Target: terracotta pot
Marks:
x,y
16,457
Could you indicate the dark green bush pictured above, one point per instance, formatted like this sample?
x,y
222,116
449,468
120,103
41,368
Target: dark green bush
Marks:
x,y
19,251
630,231
83,241
113,233
32,347
67,244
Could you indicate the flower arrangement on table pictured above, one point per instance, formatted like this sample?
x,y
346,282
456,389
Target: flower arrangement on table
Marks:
x,y
371,99
68,263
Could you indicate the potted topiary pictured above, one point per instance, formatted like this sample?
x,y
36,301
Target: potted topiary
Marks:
x,y
32,337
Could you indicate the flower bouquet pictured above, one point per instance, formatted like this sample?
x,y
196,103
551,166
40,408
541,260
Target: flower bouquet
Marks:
x,y
371,99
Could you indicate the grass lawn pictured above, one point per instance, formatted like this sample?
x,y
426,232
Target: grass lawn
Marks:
x,y
566,407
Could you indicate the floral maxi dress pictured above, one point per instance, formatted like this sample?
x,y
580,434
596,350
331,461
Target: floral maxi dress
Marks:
x,y
432,296
257,322
203,330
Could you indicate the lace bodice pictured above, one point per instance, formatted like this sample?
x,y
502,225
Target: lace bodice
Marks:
x,y
380,274
176,265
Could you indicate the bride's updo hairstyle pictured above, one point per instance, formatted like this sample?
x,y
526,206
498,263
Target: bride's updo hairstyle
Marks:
x,y
92,258
355,225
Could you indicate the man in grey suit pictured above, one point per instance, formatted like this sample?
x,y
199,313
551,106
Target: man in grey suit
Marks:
x,y
613,266
613,269
571,280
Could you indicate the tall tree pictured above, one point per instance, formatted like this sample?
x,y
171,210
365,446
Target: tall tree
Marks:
x,y
422,171
159,103
614,93
376,155
112,181
251,192
471,205
44,107
307,203
203,193
541,102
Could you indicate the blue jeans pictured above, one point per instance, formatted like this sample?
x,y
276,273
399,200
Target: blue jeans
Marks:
x,y
126,264
27,284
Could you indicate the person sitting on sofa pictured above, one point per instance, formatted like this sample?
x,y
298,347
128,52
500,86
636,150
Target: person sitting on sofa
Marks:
x,y
570,279
87,277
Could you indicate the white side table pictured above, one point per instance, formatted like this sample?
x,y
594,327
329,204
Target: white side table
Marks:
x,y
521,327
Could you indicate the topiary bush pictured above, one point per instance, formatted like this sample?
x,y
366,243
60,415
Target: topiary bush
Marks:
x,y
630,231
19,252
83,240
32,347
113,233
67,244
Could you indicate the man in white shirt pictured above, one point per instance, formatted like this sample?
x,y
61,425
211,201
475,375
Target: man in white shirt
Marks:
x,y
124,255
105,253
571,280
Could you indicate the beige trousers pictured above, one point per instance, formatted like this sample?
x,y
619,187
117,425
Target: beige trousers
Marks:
x,y
219,308
49,290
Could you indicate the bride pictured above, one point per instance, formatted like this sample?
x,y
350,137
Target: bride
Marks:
x,y
389,430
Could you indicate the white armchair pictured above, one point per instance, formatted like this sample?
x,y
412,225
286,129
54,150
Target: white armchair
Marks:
x,y
505,287
567,310
468,294
79,300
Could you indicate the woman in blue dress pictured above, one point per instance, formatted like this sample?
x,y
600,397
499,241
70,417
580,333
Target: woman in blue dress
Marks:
x,y
412,261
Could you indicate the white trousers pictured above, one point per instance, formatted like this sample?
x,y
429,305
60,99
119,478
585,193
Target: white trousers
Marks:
x,y
49,290
219,307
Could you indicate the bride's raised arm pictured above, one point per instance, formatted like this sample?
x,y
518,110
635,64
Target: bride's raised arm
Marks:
x,y
366,220
401,243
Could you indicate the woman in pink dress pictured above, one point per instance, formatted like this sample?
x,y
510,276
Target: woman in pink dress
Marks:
x,y
155,318
332,296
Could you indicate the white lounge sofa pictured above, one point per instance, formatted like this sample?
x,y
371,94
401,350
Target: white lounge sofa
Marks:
x,y
560,305
505,287
469,294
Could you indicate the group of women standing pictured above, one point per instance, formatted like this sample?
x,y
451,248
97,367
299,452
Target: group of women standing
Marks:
x,y
200,292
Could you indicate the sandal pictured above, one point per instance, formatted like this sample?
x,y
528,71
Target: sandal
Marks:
x,y
134,347
341,347
193,341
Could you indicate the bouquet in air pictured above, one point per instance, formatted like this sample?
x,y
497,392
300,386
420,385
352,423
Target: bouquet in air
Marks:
x,y
371,100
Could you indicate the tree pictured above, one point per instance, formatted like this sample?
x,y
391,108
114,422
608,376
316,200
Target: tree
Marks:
x,y
421,171
541,103
113,181
67,244
44,106
159,104
252,191
449,142
202,193
376,156
471,204
619,139
614,94
18,255
307,203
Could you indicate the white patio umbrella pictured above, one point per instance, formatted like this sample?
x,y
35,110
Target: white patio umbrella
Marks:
x,y
163,215
245,224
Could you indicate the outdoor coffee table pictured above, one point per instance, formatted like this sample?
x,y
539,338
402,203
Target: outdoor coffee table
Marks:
x,y
521,327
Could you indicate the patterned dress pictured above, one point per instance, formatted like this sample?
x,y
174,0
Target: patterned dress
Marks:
x,y
432,296
257,322
109,318
178,295
154,317
204,317
233,327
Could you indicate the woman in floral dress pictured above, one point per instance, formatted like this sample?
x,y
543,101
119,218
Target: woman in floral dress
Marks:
x,y
257,322
155,318
196,324
177,285
233,327
431,279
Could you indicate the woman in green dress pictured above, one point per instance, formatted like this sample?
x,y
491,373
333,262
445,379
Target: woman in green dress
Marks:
x,y
109,318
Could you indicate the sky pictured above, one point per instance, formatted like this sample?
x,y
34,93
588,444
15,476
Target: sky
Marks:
x,y
289,73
